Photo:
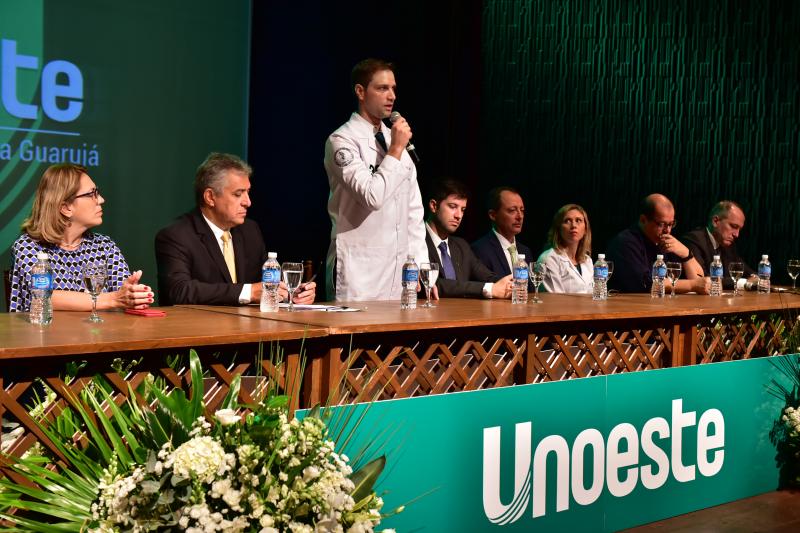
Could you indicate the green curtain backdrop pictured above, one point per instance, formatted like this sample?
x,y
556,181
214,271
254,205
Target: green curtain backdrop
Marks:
x,y
601,102
164,84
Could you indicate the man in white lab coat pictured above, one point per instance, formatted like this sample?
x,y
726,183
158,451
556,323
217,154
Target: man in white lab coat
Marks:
x,y
375,204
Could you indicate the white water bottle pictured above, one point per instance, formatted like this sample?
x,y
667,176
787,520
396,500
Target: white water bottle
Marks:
x,y
764,272
659,273
519,291
270,280
41,290
716,276
408,296
600,286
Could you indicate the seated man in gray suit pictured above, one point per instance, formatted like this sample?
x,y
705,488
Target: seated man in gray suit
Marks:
x,y
460,272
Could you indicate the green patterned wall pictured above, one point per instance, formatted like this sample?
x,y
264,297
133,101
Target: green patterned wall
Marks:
x,y
601,102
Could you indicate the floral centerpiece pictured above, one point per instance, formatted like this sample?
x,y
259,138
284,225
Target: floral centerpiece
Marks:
x,y
785,433
161,465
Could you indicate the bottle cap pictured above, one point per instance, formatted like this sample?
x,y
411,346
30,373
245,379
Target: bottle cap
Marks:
x,y
410,257
716,258
659,256
272,255
601,256
521,256
764,257
42,256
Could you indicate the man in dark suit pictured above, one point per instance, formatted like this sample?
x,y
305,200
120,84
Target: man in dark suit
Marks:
x,y
725,221
499,248
460,272
213,255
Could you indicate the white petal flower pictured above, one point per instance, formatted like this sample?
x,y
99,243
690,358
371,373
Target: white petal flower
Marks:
x,y
227,417
201,457
310,472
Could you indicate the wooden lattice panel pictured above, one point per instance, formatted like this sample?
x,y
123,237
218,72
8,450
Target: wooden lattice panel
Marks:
x,y
559,357
729,337
18,391
455,365
468,360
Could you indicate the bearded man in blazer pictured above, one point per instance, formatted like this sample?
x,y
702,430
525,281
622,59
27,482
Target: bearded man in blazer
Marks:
x,y
460,272
213,255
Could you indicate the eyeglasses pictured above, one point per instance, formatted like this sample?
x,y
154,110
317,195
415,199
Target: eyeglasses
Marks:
x,y
664,225
94,193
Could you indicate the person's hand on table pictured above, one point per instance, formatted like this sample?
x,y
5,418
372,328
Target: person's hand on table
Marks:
x,y
131,295
502,287
305,293
702,285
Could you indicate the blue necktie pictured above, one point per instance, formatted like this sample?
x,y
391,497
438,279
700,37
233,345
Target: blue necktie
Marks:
x,y
447,263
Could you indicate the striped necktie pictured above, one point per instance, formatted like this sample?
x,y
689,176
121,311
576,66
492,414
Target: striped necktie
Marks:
x,y
512,250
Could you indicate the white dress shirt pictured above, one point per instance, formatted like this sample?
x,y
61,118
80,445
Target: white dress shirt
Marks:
x,y
504,244
244,296
487,287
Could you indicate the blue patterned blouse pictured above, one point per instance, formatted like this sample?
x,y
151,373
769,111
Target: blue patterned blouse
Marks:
x,y
66,265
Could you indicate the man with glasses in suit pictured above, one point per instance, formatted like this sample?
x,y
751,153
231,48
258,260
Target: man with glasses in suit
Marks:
x,y
634,251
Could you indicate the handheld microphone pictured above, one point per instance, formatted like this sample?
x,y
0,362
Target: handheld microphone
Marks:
x,y
412,151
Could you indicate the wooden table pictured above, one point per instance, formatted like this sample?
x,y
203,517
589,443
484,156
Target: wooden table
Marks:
x,y
466,344
381,351
68,352
72,334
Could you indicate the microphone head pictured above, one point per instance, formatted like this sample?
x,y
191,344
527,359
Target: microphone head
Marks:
x,y
394,116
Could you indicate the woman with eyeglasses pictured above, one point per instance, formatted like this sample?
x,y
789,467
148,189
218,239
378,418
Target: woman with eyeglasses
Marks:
x,y
66,207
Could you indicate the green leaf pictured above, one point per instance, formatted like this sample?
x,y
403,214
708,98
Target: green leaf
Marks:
x,y
231,400
364,479
114,439
197,384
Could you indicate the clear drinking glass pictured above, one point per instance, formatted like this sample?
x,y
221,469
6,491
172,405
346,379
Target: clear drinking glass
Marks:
x,y
610,265
94,278
674,274
428,273
292,276
794,269
537,276
735,271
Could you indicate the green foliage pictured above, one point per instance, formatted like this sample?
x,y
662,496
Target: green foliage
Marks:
x,y
784,434
99,441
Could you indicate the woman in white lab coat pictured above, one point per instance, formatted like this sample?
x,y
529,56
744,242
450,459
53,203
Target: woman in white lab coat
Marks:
x,y
568,262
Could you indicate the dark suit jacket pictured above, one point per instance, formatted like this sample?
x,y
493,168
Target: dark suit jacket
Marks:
x,y
488,250
699,243
191,269
471,274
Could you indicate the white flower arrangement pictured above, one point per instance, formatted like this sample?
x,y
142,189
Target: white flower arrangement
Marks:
x,y
256,472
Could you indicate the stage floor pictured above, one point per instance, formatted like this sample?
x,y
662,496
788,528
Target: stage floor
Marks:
x,y
777,512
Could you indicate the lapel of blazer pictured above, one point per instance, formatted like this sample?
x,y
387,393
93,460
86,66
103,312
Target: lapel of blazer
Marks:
x,y
433,253
500,255
207,238
457,257
239,253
